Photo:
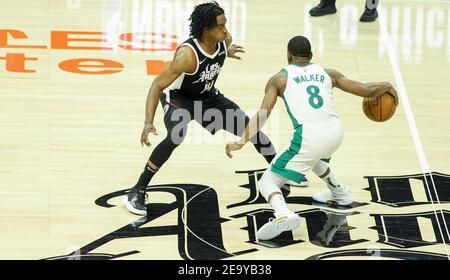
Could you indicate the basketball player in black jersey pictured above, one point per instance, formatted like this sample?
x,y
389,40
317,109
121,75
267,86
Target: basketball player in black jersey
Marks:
x,y
185,88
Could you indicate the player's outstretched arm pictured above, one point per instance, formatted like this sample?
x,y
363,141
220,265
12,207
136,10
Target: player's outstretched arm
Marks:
x,y
361,89
274,87
184,61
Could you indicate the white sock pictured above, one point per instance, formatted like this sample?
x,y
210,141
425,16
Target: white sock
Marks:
x,y
278,204
331,181
322,168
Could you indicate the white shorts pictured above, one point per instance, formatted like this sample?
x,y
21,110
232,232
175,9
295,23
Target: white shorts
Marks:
x,y
310,144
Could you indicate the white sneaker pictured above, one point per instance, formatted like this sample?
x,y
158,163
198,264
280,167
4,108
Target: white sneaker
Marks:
x,y
303,183
284,222
342,196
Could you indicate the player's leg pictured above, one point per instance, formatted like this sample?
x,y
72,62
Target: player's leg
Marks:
x,y
258,143
235,121
328,139
285,220
325,7
176,122
337,192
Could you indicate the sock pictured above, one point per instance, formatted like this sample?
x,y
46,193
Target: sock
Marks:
x,y
278,203
331,181
145,178
323,170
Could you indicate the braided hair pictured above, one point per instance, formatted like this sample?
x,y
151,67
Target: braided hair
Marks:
x,y
204,16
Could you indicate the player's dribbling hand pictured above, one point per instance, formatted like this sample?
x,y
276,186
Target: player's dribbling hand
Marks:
x,y
232,147
144,135
393,92
233,49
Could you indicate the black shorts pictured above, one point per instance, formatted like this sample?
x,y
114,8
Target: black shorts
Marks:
x,y
213,111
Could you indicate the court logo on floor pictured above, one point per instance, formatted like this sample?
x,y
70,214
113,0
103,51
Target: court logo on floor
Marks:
x,y
198,226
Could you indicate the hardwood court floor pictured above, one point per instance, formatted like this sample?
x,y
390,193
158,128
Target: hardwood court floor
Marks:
x,y
69,144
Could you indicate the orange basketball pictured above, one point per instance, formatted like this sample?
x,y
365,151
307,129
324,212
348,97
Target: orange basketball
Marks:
x,y
379,109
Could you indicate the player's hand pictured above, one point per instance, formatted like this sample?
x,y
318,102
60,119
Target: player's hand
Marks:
x,y
393,92
148,127
232,147
233,49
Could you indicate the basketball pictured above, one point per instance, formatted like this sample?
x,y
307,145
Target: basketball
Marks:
x,y
379,109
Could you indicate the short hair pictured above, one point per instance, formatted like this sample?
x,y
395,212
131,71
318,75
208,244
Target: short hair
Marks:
x,y
204,16
299,46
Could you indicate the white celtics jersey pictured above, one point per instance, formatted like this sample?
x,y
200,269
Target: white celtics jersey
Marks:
x,y
308,95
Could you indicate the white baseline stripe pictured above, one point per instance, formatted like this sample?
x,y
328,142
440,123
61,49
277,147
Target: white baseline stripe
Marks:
x,y
410,118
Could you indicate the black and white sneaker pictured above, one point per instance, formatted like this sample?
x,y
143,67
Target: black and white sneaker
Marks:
x,y
136,202
325,7
369,15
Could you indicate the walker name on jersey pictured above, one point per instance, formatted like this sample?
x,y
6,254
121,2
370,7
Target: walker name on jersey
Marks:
x,y
200,235
309,78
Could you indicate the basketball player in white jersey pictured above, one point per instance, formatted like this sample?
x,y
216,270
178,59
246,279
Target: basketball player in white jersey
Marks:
x,y
187,85
306,90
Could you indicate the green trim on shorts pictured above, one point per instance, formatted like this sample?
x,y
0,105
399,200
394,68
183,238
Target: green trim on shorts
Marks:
x,y
327,160
279,166
289,174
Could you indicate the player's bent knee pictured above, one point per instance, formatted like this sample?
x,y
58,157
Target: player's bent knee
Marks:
x,y
320,168
267,185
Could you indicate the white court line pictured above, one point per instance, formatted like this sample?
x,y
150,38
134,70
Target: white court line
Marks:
x,y
184,219
411,122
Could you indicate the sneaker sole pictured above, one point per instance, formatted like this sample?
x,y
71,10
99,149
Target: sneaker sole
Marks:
x,y
345,203
279,225
332,201
132,209
316,14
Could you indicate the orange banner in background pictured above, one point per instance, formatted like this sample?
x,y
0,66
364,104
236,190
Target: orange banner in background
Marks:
x,y
16,34
15,62
82,40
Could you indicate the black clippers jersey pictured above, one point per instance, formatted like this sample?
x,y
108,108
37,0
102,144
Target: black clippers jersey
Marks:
x,y
201,82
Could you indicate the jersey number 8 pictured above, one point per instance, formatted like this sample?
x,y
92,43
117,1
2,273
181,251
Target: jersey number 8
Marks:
x,y
314,98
